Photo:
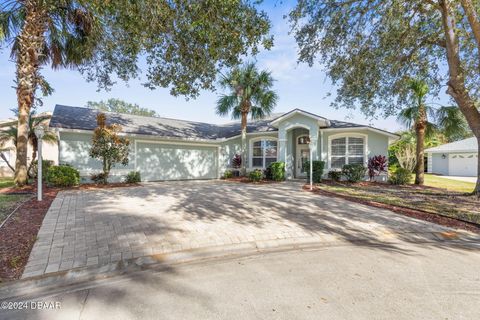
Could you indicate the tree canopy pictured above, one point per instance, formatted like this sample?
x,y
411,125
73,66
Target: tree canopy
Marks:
x,y
371,49
120,106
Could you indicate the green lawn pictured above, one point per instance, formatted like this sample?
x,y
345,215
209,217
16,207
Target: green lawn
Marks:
x,y
449,184
455,204
8,202
6,182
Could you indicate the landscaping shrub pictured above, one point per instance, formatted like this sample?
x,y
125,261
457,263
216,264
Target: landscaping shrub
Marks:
x,y
317,168
62,176
133,177
276,171
228,174
98,177
400,176
255,175
46,164
354,172
376,166
335,175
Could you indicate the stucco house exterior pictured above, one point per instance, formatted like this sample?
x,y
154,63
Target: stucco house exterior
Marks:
x,y
50,151
171,149
459,158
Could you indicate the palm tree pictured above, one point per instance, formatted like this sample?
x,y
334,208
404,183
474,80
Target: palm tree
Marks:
x,y
250,93
447,120
11,134
59,32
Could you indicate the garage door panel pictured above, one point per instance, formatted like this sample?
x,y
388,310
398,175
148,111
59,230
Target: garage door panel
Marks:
x,y
463,164
174,162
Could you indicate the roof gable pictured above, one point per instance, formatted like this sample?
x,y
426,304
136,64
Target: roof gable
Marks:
x,y
465,145
322,122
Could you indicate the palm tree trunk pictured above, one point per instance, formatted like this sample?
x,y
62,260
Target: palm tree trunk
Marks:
x,y
30,43
420,166
244,142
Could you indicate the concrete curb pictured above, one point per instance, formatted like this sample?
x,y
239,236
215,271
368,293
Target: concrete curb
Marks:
x,y
53,283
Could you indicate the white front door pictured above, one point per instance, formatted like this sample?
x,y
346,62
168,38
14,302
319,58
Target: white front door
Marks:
x,y
303,155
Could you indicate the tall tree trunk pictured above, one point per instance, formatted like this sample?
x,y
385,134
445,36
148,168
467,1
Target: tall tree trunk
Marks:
x,y
456,84
420,166
30,42
244,142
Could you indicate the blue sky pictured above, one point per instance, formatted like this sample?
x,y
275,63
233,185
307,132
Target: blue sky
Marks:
x,y
298,86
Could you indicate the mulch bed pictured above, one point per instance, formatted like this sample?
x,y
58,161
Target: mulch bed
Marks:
x,y
246,180
19,233
418,214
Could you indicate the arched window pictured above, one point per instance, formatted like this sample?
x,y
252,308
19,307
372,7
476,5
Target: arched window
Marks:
x,y
347,150
263,152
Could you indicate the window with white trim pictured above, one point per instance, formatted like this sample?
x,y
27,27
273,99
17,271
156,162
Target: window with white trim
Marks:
x,y
264,152
347,150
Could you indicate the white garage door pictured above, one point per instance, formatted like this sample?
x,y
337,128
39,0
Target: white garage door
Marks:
x,y
463,164
157,162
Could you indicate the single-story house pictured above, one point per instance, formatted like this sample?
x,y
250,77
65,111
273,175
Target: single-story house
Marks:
x,y
49,150
171,149
459,158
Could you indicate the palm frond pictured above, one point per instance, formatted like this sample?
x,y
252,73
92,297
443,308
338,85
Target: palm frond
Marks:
x,y
408,116
452,122
225,104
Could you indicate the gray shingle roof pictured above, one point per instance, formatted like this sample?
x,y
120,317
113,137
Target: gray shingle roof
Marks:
x,y
466,145
68,117
85,119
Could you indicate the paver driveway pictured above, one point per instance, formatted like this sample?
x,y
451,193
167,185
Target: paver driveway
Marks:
x,y
96,227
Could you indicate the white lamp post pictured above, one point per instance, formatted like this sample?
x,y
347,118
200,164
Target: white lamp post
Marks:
x,y
39,131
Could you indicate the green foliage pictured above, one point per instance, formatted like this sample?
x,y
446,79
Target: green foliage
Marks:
x,y
354,172
108,146
120,106
133,177
46,164
276,171
185,42
335,175
255,175
372,48
250,93
400,176
317,168
62,176
228,174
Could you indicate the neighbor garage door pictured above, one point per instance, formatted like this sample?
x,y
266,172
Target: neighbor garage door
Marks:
x,y
157,161
462,164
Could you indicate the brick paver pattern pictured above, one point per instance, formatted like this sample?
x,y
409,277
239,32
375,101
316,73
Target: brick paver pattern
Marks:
x,y
97,227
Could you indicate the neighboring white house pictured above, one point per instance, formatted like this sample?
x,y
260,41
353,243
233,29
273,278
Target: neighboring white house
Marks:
x,y
172,149
50,151
459,158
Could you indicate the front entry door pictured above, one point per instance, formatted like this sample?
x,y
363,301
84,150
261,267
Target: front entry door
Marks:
x,y
303,155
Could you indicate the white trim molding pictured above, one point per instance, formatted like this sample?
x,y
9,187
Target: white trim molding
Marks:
x,y
347,135
391,135
320,120
250,150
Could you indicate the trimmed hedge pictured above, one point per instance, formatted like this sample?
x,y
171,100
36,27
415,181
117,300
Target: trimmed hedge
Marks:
x,y
400,176
317,168
62,176
228,174
255,175
133,177
354,172
46,164
335,175
276,171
